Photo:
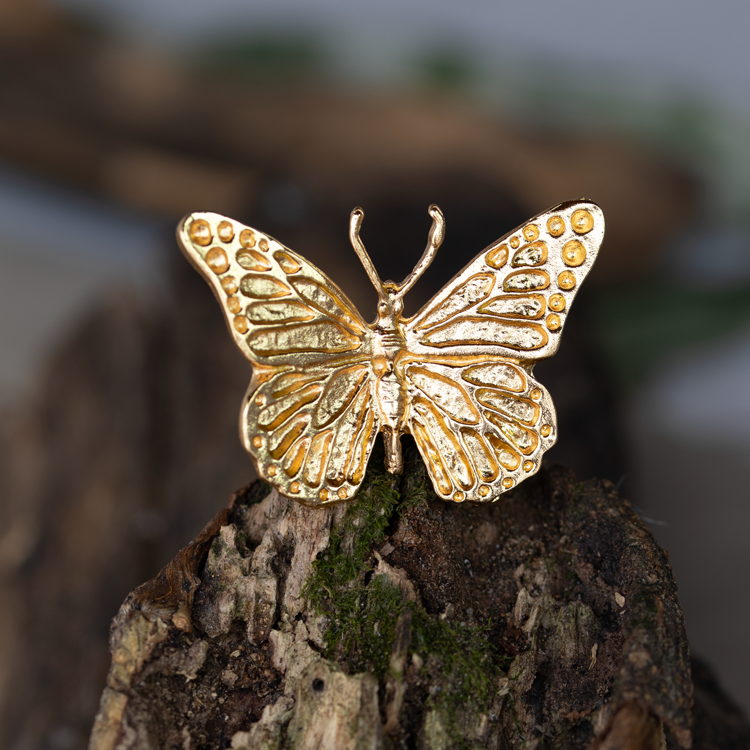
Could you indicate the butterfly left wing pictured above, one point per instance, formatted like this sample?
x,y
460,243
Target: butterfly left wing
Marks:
x,y
280,309
480,419
308,420
311,430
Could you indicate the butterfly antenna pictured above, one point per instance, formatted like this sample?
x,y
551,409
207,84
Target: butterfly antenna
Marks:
x,y
434,240
355,223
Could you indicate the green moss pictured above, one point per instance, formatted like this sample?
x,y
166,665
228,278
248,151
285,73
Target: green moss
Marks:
x,y
416,489
351,544
371,634
468,660
217,545
510,702
364,614
360,615
645,609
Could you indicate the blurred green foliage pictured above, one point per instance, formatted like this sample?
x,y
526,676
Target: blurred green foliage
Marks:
x,y
638,324
276,57
445,69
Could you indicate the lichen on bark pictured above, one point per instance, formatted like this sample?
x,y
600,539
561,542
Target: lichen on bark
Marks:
x,y
546,620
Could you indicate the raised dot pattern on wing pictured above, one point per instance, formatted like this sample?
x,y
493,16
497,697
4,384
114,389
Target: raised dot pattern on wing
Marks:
x,y
539,267
268,299
536,272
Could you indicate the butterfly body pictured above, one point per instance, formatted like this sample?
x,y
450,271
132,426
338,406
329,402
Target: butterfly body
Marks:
x,y
457,376
389,346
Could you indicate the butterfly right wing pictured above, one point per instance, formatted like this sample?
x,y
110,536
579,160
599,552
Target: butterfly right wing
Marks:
x,y
480,425
479,417
512,300
308,419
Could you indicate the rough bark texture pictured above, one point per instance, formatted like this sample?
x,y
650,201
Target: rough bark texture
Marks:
x,y
547,620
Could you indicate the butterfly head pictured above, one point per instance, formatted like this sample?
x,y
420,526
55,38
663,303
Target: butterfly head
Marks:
x,y
391,305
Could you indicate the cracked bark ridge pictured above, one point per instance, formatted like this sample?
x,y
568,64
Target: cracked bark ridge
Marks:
x,y
546,620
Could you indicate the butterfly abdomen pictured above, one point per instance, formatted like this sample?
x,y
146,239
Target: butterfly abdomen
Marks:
x,y
390,387
391,394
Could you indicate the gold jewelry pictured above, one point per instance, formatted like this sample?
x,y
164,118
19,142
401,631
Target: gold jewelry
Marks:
x,y
457,376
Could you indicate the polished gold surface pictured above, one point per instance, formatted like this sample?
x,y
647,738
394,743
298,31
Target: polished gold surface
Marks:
x,y
457,376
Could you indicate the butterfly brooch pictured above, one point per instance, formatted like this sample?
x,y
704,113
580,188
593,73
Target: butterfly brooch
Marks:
x,y
457,376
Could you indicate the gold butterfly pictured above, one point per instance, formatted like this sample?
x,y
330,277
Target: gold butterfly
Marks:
x,y
457,376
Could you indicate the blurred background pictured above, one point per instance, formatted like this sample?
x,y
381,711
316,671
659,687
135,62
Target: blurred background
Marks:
x,y
119,388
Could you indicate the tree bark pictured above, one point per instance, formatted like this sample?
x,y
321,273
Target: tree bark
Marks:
x,y
546,620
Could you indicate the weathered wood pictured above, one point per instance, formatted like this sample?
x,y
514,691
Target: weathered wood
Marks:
x,y
547,620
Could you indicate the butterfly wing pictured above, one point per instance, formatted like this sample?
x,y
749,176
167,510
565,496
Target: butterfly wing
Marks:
x,y
307,420
478,416
311,430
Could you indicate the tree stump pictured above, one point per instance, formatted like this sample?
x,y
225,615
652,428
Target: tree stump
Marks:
x,y
546,620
